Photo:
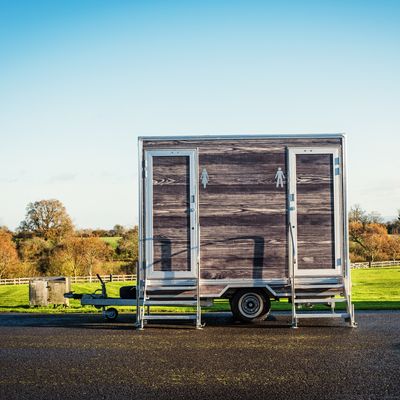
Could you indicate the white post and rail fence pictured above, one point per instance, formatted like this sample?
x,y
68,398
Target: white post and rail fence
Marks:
x,y
75,279
132,277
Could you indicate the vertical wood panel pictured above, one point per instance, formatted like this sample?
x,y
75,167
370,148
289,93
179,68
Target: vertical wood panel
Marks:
x,y
315,211
171,219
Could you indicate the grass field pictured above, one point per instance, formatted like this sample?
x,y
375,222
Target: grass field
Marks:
x,y
373,288
112,241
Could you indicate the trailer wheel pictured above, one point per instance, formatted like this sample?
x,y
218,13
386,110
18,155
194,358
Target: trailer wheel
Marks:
x,y
111,314
250,305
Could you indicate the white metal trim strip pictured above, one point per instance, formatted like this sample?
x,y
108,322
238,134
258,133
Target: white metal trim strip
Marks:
x,y
244,136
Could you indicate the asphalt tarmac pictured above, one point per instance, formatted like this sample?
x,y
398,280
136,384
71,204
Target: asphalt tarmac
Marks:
x,y
83,357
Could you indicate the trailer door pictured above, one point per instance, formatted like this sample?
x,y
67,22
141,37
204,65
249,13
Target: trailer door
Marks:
x,y
315,234
171,213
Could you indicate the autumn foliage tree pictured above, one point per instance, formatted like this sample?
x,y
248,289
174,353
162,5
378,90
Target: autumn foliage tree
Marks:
x,y
79,256
35,252
372,239
393,247
8,254
96,252
368,234
47,219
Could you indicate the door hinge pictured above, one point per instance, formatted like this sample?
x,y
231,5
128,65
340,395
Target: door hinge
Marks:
x,y
337,166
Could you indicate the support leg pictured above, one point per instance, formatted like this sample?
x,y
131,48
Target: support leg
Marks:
x,y
294,317
139,318
353,323
199,325
294,321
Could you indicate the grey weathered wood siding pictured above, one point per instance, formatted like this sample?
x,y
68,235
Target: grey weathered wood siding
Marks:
x,y
243,216
315,211
171,219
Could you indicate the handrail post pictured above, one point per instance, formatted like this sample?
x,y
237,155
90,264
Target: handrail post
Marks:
x,y
292,277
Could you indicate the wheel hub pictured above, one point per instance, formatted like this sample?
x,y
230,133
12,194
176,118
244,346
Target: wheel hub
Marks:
x,y
250,305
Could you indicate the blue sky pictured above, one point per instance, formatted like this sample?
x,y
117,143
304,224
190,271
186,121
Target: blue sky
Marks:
x,y
80,80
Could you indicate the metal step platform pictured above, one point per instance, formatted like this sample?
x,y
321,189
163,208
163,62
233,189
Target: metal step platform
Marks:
x,y
179,293
308,291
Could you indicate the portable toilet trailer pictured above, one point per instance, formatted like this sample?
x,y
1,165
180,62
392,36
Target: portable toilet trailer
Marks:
x,y
250,218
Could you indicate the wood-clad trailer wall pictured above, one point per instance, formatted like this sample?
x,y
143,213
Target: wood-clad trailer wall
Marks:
x,y
243,214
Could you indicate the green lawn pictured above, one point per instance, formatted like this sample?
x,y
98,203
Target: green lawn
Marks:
x,y
112,241
374,288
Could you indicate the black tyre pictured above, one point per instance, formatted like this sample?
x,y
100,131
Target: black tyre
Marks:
x,y
111,314
250,305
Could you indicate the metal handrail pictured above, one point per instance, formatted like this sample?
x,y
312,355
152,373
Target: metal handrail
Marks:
x,y
292,277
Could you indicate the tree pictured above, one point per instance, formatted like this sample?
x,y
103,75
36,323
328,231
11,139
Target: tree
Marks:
x,y
5,229
67,259
368,234
96,252
394,226
118,230
36,252
79,256
357,214
100,232
8,254
47,219
128,245
393,247
371,238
